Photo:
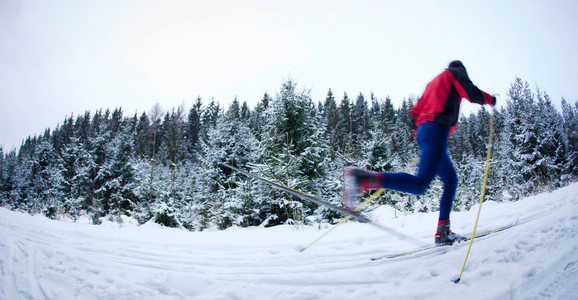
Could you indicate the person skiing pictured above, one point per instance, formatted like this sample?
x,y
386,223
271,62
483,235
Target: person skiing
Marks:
x,y
436,116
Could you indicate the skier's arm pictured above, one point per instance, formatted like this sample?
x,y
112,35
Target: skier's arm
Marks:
x,y
468,90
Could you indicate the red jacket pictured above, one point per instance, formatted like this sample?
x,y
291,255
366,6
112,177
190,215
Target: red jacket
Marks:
x,y
440,102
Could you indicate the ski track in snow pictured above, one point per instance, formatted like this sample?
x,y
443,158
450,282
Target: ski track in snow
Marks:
x,y
536,259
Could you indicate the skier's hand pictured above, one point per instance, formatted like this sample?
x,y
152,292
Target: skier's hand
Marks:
x,y
495,96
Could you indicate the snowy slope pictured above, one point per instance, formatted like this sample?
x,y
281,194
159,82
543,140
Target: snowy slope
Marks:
x,y
538,258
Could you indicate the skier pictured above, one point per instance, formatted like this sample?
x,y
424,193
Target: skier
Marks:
x,y
435,116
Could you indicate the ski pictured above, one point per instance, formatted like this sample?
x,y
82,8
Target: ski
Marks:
x,y
424,249
304,196
318,201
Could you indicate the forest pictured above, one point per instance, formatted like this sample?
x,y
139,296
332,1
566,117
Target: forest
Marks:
x,y
163,166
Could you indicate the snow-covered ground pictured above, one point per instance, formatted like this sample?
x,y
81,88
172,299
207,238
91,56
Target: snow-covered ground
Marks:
x,y
538,258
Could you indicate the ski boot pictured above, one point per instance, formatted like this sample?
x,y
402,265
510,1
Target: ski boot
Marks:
x,y
358,181
444,236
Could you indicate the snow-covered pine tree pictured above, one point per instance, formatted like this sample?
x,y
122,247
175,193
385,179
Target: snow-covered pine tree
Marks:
x,y
47,179
332,119
8,179
258,119
164,207
76,162
169,180
522,139
210,116
193,131
570,115
143,189
387,116
360,123
553,165
230,141
143,137
189,201
534,141
120,182
295,153
245,113
344,134
101,153
317,167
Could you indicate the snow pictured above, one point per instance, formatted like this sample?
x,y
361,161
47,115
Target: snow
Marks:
x,y
538,258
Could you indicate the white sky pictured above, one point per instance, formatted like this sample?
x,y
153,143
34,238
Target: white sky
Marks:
x,y
62,58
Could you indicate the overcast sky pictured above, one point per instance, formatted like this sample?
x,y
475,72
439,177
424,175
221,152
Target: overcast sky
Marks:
x,y
62,58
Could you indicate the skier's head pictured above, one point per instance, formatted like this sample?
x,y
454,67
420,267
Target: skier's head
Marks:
x,y
457,64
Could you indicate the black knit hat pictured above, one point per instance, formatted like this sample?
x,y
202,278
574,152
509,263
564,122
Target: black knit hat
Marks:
x,y
457,64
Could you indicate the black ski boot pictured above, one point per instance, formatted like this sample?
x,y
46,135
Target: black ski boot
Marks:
x,y
444,236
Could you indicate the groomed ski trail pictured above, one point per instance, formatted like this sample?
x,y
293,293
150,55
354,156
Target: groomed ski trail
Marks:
x,y
436,249
538,258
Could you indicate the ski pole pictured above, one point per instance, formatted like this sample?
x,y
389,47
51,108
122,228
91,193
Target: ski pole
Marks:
x,y
488,156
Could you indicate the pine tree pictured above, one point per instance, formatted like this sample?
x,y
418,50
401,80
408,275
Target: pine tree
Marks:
x,y
258,119
245,113
344,130
234,111
193,130
293,152
521,139
175,130
360,123
229,141
332,119
143,137
8,179
120,183
387,116
570,115
553,146
82,127
210,116
47,180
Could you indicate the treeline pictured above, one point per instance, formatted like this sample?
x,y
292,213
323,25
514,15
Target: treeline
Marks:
x,y
164,166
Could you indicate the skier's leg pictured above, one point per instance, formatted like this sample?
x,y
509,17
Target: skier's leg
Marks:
x,y
448,175
432,140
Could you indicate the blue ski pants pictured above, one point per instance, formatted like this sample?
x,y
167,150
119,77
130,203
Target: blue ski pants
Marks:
x,y
432,139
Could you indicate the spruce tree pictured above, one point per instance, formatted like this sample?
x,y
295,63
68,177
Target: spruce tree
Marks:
x,y
570,115
332,120
553,145
259,118
230,141
193,130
